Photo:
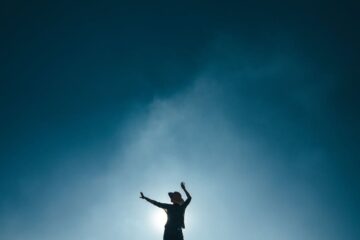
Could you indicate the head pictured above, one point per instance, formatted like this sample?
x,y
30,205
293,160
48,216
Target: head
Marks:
x,y
176,198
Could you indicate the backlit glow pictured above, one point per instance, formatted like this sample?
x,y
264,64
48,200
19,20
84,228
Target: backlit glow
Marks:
x,y
158,219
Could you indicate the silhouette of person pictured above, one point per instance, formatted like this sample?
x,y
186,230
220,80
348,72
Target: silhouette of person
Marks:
x,y
175,213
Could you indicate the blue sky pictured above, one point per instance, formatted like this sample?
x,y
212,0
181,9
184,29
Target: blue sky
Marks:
x,y
254,105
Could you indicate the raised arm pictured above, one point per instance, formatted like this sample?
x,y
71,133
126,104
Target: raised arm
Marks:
x,y
158,204
188,196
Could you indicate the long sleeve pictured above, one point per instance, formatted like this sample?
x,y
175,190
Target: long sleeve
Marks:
x,y
158,204
188,199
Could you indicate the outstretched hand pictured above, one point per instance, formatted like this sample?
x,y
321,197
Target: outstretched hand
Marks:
x,y
186,192
142,195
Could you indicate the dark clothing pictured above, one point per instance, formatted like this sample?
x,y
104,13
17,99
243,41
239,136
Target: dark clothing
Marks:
x,y
173,234
175,213
175,218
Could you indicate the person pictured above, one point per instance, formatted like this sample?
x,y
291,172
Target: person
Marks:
x,y
175,213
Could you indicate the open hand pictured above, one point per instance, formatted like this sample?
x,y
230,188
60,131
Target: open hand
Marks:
x,y
142,195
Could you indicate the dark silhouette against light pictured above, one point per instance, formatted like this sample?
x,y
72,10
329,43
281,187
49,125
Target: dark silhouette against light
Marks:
x,y
175,213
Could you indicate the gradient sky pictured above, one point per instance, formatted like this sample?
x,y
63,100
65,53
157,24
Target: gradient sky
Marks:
x,y
253,104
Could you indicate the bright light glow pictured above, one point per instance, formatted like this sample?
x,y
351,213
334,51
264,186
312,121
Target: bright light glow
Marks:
x,y
158,219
